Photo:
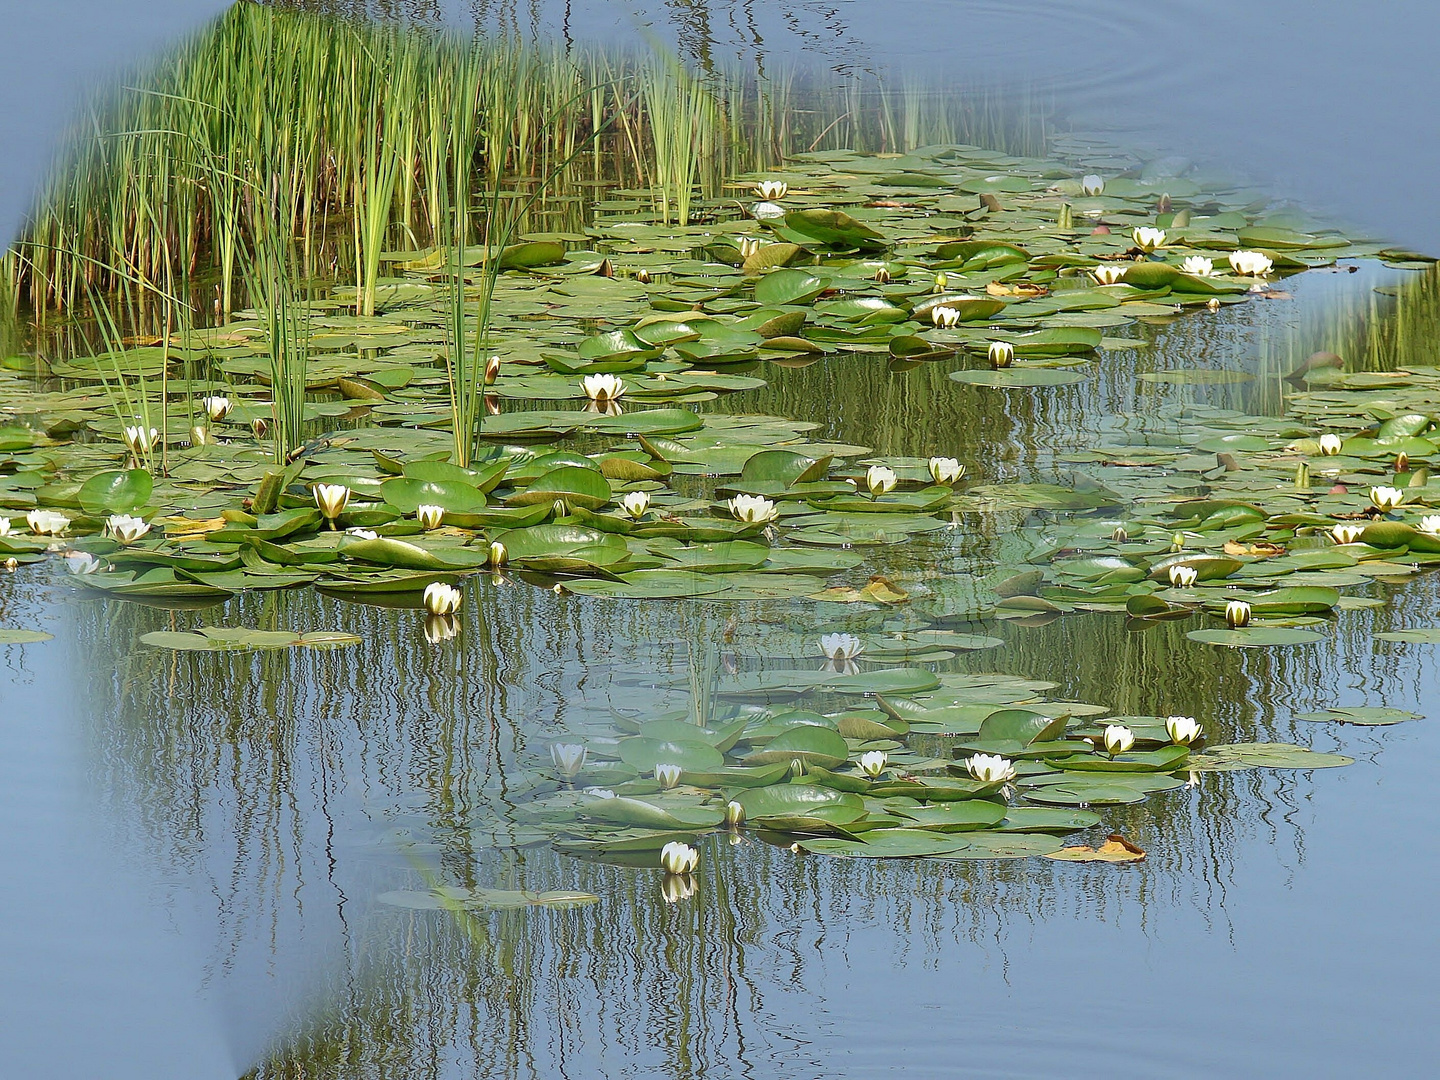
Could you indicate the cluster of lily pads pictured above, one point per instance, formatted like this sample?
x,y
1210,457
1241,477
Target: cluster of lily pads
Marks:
x,y
603,475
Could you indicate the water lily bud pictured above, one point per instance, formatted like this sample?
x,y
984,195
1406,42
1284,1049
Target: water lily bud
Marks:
x,y
1065,218
667,776
1163,205
945,470
140,439
1001,354
1330,444
635,504
1118,738
199,436
331,500
797,766
872,763
430,516
1119,535
12,564
602,388
748,245
558,590
1183,730
734,814
990,768
943,316
124,529
753,509
1147,239
1213,304
442,599
259,427
1350,534
1198,266
1177,542
498,554
1386,499
560,508
1302,476
216,407
568,758
772,190
1182,577
1107,275
678,858
1092,185
879,479
941,281
440,628
1237,614
841,646
492,370
1402,462
882,276
1250,263
643,276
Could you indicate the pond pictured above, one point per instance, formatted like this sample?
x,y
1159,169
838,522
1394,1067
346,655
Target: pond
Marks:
x,y
834,449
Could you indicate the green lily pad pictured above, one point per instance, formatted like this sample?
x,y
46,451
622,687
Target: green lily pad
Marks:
x,y
1361,715
1017,377
886,844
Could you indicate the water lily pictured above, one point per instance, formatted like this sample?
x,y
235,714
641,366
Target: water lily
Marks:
x,y
1350,534
1001,354
1117,738
734,814
602,388
81,562
216,407
635,504
990,768
442,599
1237,614
941,281
643,276
772,190
944,316
440,628
331,499
678,858
498,554
1182,577
748,245
259,426
492,370
1120,534
4,526
46,522
1147,238
1108,275
140,440
1330,444
199,436
1177,542
879,479
363,534
1250,263
126,529
945,470
841,646
1430,523
882,276
667,775
753,509
1402,462
872,763
429,515
1183,730
1386,499
12,564
1092,185
1198,266
569,759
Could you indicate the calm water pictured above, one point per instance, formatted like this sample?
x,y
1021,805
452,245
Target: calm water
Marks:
x,y
195,845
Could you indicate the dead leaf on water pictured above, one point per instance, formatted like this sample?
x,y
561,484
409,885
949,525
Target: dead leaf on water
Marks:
x,y
1116,849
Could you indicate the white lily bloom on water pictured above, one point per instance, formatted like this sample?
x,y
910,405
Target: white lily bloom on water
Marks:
x,y
990,768
139,440
1183,730
1107,275
753,509
667,775
734,814
331,500
945,470
429,515
1251,263
4,526
1198,266
872,763
602,388
841,646
1430,523
635,504
678,858
1092,185
943,316
1386,499
442,599
1118,738
126,529
1147,238
1350,534
1182,577
772,190
46,522
1330,444
568,758
216,407
879,479
1237,614
1001,354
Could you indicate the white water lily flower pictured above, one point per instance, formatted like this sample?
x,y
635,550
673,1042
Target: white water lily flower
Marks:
x,y
363,534
667,775
498,555
990,768
440,628
1430,523
4,526
429,515
1092,185
1386,499
1183,730
1001,354
569,759
442,599
943,316
46,522
126,529
841,646
139,440
331,500
492,370
872,763
1182,577
1237,614
879,479
1350,534
81,562
678,858
1330,444
748,245
635,504
734,814
1198,266
1118,738
945,470
1147,238
1250,263
1108,275
772,190
216,407
602,388
753,509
